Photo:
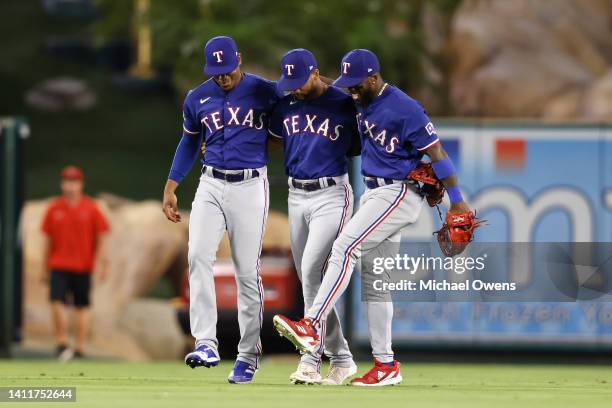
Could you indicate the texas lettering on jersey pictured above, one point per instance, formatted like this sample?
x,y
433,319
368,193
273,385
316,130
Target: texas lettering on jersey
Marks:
x,y
377,135
297,124
234,124
395,131
214,120
317,134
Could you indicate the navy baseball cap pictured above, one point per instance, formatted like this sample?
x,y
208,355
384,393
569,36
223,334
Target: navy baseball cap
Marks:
x,y
296,66
221,56
356,66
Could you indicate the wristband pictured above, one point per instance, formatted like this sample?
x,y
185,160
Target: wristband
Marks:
x,y
443,168
454,194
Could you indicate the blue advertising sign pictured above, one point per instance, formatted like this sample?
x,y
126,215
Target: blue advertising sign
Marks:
x,y
533,184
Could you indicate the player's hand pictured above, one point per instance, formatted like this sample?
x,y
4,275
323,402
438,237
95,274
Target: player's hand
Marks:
x,y
459,207
170,207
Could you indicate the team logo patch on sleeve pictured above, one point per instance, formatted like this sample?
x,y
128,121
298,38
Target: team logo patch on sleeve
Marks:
x,y
430,128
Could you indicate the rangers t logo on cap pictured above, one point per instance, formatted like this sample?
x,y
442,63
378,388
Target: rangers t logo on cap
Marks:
x,y
218,54
346,66
356,66
296,67
221,56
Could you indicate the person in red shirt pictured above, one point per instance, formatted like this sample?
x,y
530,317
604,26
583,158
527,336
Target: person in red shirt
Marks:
x,y
75,231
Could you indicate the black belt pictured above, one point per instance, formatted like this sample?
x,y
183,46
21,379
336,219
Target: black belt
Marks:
x,y
312,185
373,183
230,177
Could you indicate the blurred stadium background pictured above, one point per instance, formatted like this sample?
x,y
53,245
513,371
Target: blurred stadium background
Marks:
x,y
521,93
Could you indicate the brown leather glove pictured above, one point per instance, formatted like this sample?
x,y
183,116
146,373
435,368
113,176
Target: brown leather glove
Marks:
x,y
432,188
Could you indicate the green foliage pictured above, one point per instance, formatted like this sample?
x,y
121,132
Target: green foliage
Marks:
x,y
116,24
266,29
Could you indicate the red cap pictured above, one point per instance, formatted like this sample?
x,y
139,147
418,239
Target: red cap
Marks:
x,y
72,173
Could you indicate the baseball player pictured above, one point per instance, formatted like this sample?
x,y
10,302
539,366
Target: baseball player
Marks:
x,y
230,113
395,134
318,126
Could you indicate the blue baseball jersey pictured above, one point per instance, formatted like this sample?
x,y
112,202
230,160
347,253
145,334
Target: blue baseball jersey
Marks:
x,y
317,134
395,130
234,124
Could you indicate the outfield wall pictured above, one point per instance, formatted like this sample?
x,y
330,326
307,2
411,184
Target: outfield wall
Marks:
x,y
539,183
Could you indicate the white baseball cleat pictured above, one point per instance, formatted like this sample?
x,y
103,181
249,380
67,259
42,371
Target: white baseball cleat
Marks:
x,y
380,375
305,374
337,375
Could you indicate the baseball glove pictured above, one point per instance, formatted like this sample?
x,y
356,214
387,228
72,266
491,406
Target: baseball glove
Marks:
x,y
457,232
431,187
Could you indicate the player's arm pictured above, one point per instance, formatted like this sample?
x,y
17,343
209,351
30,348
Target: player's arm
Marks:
x,y
185,157
445,171
326,80
460,222
458,228
355,147
275,129
421,134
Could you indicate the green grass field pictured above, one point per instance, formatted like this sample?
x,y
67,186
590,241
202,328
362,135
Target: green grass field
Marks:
x,y
170,384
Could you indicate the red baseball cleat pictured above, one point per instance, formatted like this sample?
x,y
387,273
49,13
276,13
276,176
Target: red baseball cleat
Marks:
x,y
380,375
302,334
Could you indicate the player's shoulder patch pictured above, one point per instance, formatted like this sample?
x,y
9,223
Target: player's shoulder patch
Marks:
x,y
431,130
